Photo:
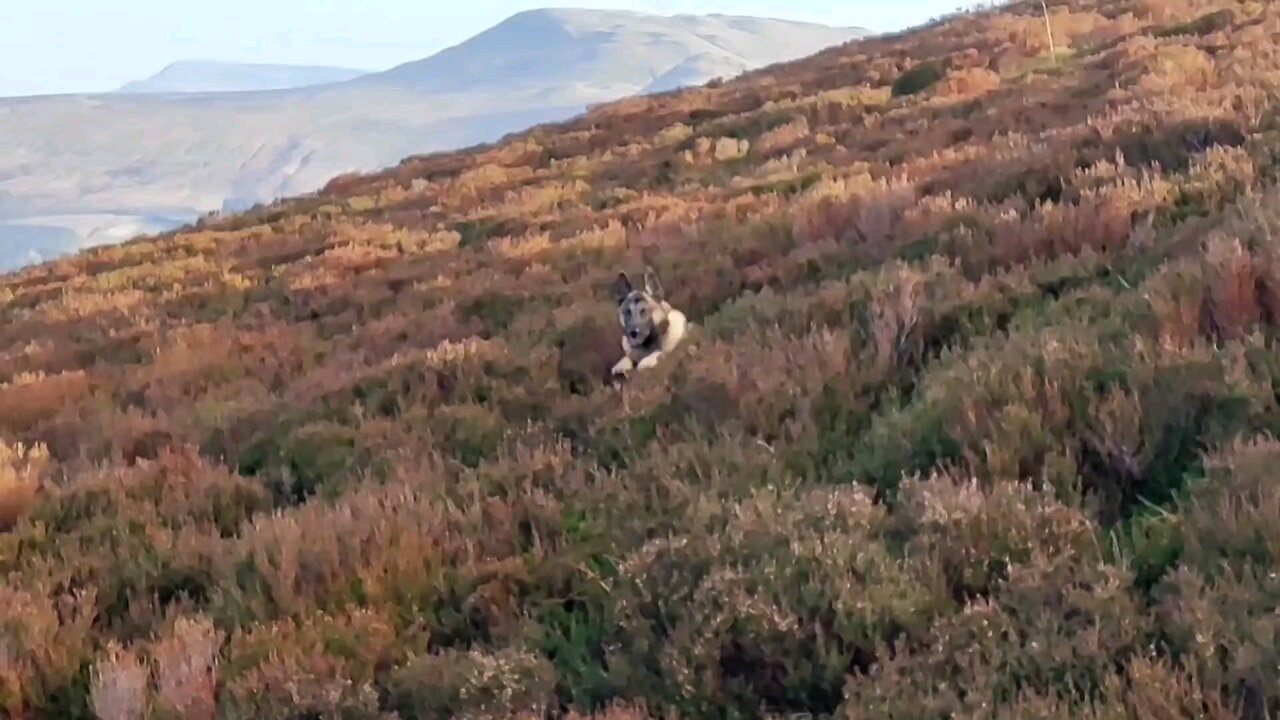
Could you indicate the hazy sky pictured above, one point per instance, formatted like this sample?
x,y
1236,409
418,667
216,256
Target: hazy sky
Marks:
x,y
58,46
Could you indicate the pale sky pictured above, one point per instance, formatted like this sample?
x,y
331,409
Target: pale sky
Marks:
x,y
61,46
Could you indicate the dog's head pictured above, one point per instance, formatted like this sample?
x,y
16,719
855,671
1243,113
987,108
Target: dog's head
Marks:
x,y
642,313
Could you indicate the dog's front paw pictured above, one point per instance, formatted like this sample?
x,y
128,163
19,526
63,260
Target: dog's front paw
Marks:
x,y
621,372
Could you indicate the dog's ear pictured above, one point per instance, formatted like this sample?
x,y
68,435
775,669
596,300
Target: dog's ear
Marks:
x,y
622,287
652,284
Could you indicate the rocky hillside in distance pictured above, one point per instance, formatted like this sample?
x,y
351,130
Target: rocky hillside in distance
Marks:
x,y
83,170
203,76
979,419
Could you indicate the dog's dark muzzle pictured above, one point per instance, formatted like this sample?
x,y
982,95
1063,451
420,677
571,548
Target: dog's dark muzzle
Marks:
x,y
645,340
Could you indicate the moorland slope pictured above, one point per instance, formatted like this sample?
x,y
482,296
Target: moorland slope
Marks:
x,y
978,420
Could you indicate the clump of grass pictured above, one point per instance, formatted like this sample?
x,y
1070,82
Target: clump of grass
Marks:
x,y
22,471
919,78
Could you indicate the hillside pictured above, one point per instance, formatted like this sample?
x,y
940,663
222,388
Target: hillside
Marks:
x,y
83,170
978,420
198,76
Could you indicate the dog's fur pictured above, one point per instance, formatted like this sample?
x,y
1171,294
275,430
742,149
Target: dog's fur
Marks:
x,y
650,326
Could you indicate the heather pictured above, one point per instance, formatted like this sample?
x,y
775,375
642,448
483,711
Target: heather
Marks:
x,y
978,420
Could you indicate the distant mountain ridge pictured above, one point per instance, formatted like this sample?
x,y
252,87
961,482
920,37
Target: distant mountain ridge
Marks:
x,y
199,76
610,48
177,145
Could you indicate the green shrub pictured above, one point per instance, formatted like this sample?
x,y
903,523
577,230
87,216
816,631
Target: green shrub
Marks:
x,y
309,459
469,434
767,604
919,78
1206,24
494,310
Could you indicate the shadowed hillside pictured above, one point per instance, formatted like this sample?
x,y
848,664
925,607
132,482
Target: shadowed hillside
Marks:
x,y
977,422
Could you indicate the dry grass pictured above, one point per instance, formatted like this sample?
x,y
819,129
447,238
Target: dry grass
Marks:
x,y
22,471
118,690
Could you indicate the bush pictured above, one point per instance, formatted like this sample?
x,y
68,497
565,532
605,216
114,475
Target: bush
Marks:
x,y
1206,24
919,78
22,470
1217,607
768,604
474,684
48,646
310,459
327,665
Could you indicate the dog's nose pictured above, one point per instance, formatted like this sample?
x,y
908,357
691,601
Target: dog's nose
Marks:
x,y
634,334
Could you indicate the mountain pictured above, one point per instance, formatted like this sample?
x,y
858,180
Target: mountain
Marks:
x,y
608,52
202,76
169,158
978,419
697,70
32,239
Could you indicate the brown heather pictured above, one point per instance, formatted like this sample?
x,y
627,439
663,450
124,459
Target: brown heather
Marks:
x,y
978,421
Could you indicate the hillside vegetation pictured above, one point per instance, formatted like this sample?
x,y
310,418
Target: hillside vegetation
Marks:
x,y
978,420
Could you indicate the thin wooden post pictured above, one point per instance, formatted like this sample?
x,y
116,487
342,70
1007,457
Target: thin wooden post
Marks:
x,y
1048,27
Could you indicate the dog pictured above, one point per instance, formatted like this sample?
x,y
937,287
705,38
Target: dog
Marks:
x,y
651,328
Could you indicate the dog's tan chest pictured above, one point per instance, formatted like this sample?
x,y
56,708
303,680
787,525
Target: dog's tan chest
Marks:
x,y
677,326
